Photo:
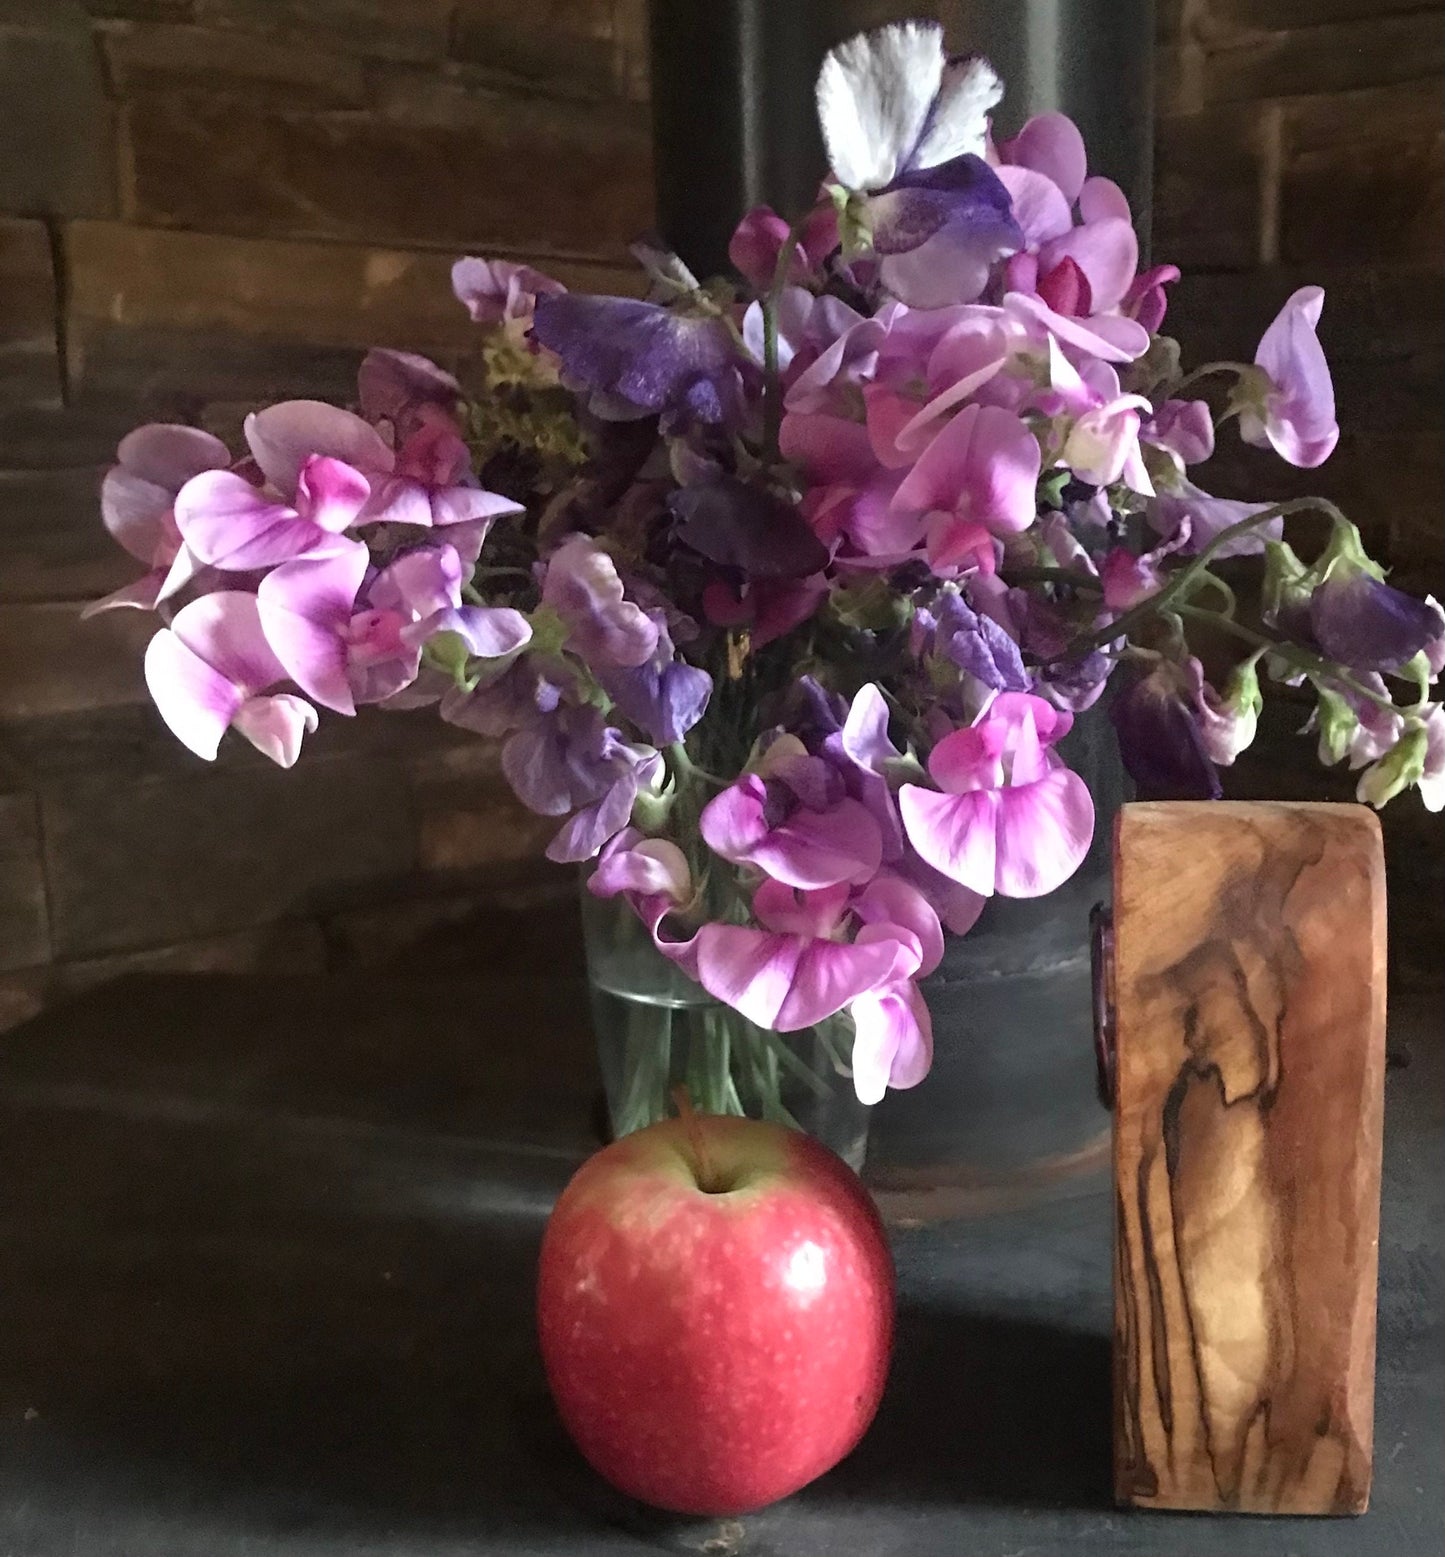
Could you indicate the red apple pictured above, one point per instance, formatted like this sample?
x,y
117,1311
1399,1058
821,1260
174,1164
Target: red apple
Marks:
x,y
715,1306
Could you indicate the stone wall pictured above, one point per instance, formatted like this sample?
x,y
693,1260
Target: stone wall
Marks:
x,y
205,204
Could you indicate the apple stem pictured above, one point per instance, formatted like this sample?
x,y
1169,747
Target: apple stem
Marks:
x,y
693,1123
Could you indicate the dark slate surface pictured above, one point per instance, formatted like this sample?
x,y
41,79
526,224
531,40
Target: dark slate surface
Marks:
x,y
267,1255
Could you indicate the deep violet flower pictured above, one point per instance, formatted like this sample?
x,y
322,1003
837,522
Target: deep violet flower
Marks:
x,y
1156,718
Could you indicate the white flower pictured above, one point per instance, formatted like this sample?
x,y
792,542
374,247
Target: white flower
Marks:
x,y
891,102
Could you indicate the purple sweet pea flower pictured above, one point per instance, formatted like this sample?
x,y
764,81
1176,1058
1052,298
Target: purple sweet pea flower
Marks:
x,y
975,643
638,359
604,628
736,525
207,672
1293,409
664,696
137,506
1363,623
1197,517
905,127
572,761
795,822
230,524
1008,816
1157,722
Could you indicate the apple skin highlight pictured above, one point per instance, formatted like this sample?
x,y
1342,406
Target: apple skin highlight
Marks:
x,y
715,1311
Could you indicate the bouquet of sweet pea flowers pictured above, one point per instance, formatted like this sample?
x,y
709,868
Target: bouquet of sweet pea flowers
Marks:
x,y
779,592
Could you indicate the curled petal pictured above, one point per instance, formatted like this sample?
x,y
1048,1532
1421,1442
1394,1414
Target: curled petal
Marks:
x,y
276,725
893,1040
283,437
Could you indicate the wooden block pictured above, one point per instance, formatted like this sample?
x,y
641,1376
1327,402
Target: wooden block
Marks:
x,y
1248,997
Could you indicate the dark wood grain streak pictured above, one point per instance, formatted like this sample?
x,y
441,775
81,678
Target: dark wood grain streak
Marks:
x,y
1249,993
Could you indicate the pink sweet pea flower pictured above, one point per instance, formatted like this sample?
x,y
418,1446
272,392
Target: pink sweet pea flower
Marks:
x,y
1294,411
285,437
976,480
797,825
1008,815
759,238
1146,301
137,505
431,486
230,524
207,671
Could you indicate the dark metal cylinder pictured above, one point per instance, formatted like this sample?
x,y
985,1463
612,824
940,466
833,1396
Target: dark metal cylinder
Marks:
x,y
732,96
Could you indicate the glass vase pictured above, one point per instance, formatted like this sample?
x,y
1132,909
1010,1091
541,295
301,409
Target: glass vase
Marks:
x,y
657,1031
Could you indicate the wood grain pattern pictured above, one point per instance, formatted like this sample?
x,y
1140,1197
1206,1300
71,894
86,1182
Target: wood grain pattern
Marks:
x,y
1249,992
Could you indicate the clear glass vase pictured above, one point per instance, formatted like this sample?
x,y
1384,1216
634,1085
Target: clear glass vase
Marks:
x,y
658,1030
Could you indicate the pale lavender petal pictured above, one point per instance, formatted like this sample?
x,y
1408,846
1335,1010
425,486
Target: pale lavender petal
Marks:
x,y
604,627
1050,144
1039,205
275,725
892,1042
167,455
1044,832
1299,415
418,583
196,701
224,629
393,385
955,834
283,437
489,632
137,513
142,595
645,867
468,505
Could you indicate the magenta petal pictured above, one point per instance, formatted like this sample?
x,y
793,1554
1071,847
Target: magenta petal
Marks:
x,y
749,970
827,448
955,834
970,758
283,437
893,1040
1044,831
224,629
829,975
732,823
645,867
276,725
821,848
1106,251
1050,144
196,701
785,910
984,464
889,901
330,493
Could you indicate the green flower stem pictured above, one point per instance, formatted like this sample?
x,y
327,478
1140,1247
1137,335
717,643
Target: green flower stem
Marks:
x,y
1291,654
1182,583
1239,369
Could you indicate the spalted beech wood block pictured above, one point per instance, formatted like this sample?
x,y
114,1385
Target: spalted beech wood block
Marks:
x,y
1249,1030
